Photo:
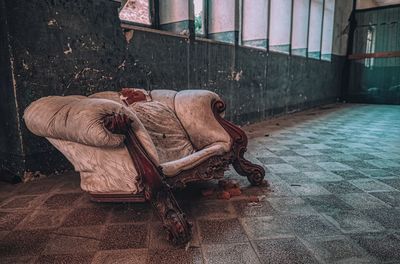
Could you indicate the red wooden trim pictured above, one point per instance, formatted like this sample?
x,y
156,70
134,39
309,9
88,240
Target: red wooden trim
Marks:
x,y
254,173
147,170
383,54
156,189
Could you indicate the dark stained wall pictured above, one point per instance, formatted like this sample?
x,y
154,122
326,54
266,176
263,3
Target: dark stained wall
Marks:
x,y
11,148
62,47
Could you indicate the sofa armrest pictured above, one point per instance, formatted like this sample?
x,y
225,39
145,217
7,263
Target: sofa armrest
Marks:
x,y
194,110
80,119
173,168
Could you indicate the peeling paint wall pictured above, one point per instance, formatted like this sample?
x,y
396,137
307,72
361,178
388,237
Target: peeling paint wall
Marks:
x,y
11,147
56,47
77,47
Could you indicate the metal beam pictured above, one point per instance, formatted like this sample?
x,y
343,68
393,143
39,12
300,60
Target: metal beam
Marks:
x,y
308,26
322,28
291,28
383,54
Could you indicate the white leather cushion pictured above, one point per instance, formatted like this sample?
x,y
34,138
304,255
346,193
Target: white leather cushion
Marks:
x,y
172,168
165,129
74,118
102,169
193,108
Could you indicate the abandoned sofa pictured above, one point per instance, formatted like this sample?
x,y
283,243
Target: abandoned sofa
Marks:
x,y
134,145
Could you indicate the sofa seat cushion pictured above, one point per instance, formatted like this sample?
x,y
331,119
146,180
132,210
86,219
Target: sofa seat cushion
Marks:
x,y
165,129
174,167
102,169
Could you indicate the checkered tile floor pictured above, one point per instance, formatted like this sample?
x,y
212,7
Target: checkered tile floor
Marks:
x,y
334,198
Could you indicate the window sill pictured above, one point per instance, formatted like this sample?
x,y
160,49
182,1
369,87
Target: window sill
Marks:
x,y
152,30
203,39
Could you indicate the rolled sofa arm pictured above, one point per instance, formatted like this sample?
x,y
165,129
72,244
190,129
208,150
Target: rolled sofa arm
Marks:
x,y
81,119
194,109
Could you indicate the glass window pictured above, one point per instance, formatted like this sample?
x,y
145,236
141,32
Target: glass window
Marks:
x,y
301,10
136,11
279,35
255,23
370,45
174,16
222,25
327,32
199,16
315,29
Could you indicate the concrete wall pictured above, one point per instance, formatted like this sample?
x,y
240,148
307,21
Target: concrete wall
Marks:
x,y
56,47
11,145
61,50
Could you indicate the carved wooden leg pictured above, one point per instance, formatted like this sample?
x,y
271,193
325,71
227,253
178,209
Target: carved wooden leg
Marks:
x,y
254,173
174,220
156,189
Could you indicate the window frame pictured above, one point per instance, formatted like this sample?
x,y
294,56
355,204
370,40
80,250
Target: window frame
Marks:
x,y
321,31
153,15
155,24
289,52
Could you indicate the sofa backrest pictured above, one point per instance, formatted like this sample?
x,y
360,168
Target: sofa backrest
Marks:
x,y
193,108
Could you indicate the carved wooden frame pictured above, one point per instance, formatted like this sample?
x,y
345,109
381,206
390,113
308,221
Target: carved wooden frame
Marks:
x,y
157,187
156,191
254,173
214,167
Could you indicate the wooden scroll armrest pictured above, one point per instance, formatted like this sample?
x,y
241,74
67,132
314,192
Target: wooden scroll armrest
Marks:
x,y
254,173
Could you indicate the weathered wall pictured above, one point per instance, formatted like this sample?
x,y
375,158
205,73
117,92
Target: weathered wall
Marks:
x,y
255,84
77,47
57,47
11,148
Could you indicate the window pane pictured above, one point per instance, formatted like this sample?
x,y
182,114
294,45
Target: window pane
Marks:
x,y
174,16
255,23
199,16
221,20
136,11
327,33
280,25
301,10
315,34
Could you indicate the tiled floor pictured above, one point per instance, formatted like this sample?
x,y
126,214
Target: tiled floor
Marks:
x,y
334,198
